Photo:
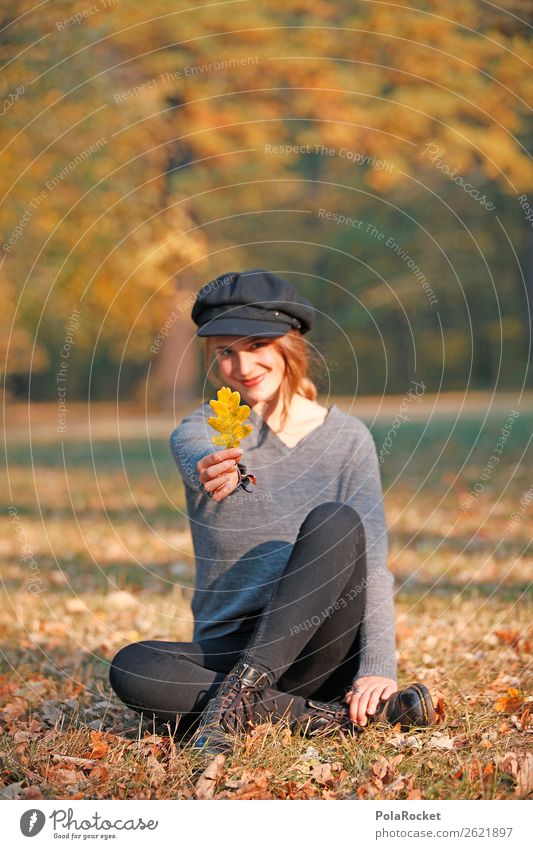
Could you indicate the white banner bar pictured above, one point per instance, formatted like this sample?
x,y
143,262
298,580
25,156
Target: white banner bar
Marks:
x,y
188,823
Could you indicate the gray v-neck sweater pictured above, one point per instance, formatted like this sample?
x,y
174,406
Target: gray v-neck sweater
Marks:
x,y
242,544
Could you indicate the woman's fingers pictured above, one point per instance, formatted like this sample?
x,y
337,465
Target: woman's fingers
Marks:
x,y
375,696
226,488
366,701
362,706
218,457
217,470
213,484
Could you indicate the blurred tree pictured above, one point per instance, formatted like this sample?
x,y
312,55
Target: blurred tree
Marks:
x,y
149,147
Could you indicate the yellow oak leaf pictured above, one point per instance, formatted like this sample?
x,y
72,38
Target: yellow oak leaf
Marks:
x,y
230,415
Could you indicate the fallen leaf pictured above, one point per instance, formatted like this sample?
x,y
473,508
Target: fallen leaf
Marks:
x,y
156,770
322,773
256,785
510,638
509,703
384,769
12,710
440,710
415,793
99,746
64,777
100,774
524,783
205,786
255,738
441,741
21,736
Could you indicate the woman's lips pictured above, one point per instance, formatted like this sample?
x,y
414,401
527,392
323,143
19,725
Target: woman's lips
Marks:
x,y
253,382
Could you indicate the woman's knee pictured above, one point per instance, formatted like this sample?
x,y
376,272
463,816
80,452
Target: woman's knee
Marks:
x,y
345,518
139,669
124,669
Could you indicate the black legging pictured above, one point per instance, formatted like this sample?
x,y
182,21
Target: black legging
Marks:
x,y
307,636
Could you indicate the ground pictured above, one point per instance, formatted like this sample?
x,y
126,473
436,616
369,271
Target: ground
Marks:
x,y
95,553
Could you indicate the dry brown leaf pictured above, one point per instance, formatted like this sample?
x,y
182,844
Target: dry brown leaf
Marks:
x,y
100,774
257,787
328,794
511,637
510,703
322,773
205,786
524,783
440,710
366,791
526,717
415,793
292,790
396,786
255,738
481,772
14,709
64,777
521,768
99,746
295,790
384,770
156,771
508,763
239,781
21,736
441,741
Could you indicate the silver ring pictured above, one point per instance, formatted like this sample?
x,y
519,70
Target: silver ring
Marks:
x,y
356,690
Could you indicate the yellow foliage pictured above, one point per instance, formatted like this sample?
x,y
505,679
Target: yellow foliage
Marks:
x,y
229,418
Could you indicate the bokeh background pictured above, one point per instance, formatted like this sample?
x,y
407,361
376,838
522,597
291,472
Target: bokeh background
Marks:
x,y
377,155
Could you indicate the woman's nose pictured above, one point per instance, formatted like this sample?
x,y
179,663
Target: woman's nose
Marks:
x,y
244,363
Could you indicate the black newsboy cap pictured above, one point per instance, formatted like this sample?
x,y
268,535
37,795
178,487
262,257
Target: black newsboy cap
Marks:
x,y
250,303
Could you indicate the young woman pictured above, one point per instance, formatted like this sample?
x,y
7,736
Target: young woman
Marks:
x,y
293,609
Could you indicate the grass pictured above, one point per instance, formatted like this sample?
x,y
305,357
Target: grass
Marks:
x,y
106,529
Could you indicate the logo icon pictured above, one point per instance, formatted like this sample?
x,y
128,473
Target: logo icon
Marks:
x,y
32,822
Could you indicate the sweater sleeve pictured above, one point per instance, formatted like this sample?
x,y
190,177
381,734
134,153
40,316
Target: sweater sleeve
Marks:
x,y
189,442
378,634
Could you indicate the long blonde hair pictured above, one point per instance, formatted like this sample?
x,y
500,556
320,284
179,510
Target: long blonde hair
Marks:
x,y
299,359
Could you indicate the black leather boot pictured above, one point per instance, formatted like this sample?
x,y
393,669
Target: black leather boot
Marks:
x,y
231,710
410,707
324,718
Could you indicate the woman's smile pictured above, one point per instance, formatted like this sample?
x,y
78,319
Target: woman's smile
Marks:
x,y
253,381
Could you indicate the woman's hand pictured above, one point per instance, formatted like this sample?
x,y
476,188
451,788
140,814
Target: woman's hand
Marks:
x,y
370,690
218,472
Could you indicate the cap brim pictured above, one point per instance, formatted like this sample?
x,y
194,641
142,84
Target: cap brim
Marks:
x,y
243,327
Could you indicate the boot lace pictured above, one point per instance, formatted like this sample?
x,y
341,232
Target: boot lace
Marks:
x,y
237,705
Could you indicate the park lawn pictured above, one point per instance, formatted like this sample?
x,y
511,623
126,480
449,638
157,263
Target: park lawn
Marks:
x,y
109,560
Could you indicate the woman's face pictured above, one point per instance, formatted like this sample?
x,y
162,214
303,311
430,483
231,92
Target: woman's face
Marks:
x,y
251,365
